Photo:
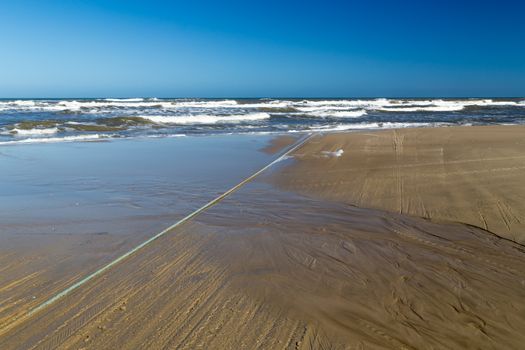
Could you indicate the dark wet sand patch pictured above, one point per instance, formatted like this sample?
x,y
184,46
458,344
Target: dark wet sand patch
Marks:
x,y
279,143
269,269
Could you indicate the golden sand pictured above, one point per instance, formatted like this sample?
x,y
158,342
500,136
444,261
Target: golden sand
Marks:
x,y
474,175
270,269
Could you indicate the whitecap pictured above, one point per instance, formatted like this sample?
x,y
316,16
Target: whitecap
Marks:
x,y
205,119
338,114
451,108
124,99
36,131
74,138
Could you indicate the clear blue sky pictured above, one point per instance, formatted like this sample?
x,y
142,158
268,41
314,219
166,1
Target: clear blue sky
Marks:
x,y
267,48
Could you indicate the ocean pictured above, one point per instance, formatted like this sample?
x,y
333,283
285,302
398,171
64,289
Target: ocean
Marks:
x,y
62,120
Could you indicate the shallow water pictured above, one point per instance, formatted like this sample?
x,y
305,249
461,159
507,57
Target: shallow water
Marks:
x,y
67,209
47,187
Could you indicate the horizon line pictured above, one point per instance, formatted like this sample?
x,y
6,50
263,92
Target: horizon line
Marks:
x,y
258,97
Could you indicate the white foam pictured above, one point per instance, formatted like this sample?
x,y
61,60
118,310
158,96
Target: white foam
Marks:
x,y
47,131
163,136
364,126
205,119
84,106
233,104
124,99
401,105
208,104
58,139
141,103
351,103
451,108
440,105
321,109
336,154
104,105
24,103
498,103
338,114
76,105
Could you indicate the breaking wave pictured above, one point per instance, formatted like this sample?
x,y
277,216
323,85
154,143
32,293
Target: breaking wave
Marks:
x,y
47,131
206,119
75,119
77,138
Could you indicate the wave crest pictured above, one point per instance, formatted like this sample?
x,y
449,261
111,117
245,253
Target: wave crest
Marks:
x,y
206,119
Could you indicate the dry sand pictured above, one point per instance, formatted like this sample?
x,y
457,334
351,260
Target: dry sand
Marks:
x,y
474,175
271,269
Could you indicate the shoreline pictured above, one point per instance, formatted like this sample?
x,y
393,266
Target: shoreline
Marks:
x,y
97,138
62,222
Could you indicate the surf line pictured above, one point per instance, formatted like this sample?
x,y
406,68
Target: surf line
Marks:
x,y
208,205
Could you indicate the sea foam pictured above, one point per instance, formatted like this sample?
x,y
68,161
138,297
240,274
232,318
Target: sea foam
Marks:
x,y
205,119
338,114
77,138
47,131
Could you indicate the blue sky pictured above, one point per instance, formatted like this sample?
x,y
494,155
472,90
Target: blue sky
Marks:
x,y
268,48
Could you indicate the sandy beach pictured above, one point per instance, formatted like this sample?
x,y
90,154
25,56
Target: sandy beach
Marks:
x,y
397,239
239,175
69,209
472,175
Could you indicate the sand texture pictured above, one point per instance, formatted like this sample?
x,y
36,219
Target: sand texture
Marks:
x,y
291,272
272,269
278,144
474,175
69,209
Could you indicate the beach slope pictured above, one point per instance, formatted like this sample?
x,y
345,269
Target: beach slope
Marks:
x,y
472,175
273,269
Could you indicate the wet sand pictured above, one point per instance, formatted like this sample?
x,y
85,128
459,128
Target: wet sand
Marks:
x,y
267,268
279,143
294,272
473,175
68,209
